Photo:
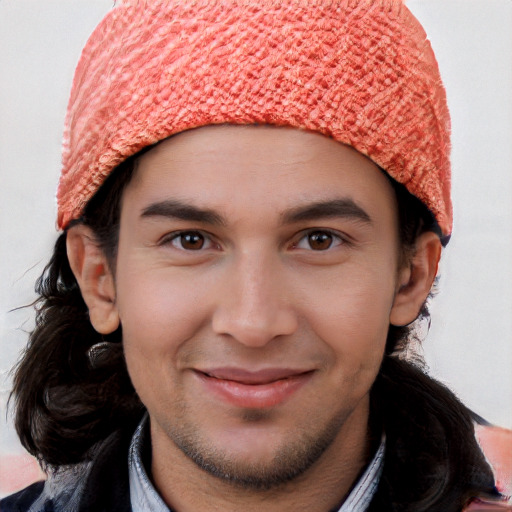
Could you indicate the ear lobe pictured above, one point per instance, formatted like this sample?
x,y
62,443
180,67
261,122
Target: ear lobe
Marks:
x,y
92,272
416,279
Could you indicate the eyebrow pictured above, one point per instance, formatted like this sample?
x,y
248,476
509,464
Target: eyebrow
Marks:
x,y
344,207
176,209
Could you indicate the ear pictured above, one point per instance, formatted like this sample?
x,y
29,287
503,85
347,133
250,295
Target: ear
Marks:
x,y
92,272
415,280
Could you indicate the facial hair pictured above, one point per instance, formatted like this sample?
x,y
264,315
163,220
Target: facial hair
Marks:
x,y
291,460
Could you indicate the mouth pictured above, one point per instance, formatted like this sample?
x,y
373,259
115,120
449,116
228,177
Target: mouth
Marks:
x,y
253,389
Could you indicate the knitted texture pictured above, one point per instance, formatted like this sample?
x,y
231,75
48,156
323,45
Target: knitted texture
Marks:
x,y
359,71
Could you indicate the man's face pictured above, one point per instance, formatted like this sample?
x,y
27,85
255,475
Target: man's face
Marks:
x,y
256,273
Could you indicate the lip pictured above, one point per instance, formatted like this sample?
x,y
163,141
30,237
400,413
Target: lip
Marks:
x,y
253,389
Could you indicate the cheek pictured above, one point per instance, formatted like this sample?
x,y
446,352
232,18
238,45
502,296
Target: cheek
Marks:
x,y
158,315
159,311
356,334
351,315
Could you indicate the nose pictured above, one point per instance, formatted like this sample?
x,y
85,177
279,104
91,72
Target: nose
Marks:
x,y
252,306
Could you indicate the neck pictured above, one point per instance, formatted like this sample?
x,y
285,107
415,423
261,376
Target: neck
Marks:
x,y
185,487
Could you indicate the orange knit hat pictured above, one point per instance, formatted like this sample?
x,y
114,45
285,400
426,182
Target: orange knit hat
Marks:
x,y
359,71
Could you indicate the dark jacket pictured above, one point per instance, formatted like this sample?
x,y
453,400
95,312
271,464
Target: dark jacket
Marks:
x,y
97,486
103,486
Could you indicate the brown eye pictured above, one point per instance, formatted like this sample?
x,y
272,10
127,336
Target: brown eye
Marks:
x,y
320,240
190,241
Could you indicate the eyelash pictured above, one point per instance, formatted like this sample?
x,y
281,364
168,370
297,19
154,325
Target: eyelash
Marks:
x,y
334,240
175,238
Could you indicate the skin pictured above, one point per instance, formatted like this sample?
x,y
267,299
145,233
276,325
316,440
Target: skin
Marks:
x,y
284,274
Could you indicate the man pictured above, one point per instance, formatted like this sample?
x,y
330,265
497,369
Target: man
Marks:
x,y
254,198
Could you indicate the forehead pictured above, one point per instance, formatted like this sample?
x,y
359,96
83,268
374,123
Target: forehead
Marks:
x,y
277,164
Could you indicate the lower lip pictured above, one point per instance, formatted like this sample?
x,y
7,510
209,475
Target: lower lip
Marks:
x,y
255,396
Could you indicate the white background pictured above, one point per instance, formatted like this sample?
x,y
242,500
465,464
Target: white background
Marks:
x,y
469,346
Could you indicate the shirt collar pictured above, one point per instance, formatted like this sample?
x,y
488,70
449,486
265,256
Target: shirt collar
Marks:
x,y
362,494
143,495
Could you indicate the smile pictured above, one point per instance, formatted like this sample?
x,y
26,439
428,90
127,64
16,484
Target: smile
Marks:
x,y
255,390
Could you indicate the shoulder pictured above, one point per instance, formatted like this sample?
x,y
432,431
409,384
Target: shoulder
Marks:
x,y
61,491
22,500
488,506
496,444
99,484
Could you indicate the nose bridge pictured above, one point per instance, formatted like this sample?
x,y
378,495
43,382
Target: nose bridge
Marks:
x,y
254,307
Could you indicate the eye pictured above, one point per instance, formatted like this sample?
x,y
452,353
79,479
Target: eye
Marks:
x,y
190,241
319,240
